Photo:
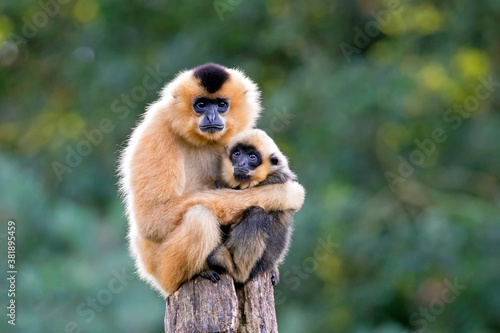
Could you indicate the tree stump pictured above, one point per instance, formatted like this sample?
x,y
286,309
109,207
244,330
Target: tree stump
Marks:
x,y
202,306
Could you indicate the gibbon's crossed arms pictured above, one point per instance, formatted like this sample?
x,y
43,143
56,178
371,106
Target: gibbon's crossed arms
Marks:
x,y
259,241
170,164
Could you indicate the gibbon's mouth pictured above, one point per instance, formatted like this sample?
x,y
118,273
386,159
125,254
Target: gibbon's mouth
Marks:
x,y
241,175
212,128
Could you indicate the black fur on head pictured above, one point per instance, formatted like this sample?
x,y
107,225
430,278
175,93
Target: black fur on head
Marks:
x,y
212,76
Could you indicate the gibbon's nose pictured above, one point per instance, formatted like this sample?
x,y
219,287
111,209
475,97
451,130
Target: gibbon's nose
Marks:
x,y
242,163
211,116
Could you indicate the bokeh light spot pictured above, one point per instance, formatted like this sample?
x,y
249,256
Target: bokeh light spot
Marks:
x,y
433,76
395,27
329,270
5,28
393,134
427,19
340,318
8,53
84,54
71,125
278,8
472,63
85,10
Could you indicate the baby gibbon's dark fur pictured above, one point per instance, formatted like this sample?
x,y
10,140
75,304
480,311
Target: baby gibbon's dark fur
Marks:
x,y
260,240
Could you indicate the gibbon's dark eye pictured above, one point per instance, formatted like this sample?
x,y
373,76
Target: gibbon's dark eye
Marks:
x,y
252,157
274,160
236,153
200,105
222,105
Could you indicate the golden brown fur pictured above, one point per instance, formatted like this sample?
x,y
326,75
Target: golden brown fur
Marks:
x,y
167,171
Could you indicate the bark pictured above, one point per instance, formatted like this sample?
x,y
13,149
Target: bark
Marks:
x,y
202,306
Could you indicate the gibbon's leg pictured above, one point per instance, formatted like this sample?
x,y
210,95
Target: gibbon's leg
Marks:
x,y
244,246
247,242
258,244
279,234
218,261
185,251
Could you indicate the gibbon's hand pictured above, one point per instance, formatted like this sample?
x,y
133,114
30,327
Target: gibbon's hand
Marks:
x,y
289,195
295,195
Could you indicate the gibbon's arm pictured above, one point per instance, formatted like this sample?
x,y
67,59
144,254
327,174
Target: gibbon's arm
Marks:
x,y
157,219
228,203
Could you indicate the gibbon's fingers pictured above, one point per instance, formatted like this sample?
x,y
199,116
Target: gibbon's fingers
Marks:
x,y
275,276
210,275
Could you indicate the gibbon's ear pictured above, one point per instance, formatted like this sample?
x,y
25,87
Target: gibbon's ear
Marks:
x,y
274,159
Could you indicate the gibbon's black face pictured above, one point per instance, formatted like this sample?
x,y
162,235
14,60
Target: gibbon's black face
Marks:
x,y
211,109
244,159
211,77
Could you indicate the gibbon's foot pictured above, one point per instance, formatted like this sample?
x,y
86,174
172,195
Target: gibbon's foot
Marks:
x,y
210,275
217,184
274,278
219,260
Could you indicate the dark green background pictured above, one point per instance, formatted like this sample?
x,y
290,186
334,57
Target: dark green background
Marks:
x,y
345,97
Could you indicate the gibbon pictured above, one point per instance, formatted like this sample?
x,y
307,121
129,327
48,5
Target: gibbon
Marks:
x,y
169,166
259,241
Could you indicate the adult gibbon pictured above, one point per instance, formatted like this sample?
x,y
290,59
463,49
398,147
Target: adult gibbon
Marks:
x,y
170,164
259,241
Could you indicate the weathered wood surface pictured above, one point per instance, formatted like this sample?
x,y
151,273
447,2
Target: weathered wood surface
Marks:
x,y
202,306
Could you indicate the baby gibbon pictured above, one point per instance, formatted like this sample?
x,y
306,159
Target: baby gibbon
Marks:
x,y
169,166
260,240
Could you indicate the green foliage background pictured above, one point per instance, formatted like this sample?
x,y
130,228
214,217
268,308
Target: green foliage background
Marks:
x,y
345,97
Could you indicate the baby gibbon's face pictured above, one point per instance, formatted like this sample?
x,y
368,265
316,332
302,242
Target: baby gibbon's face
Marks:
x,y
251,157
245,159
